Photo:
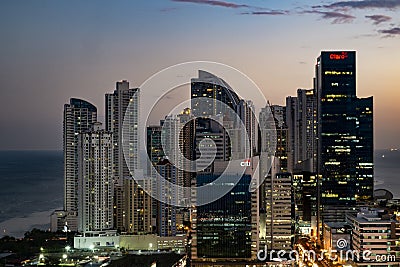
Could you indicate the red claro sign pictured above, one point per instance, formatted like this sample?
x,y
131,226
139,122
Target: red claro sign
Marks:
x,y
340,56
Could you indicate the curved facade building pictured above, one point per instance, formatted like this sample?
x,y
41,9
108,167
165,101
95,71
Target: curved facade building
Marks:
x,y
79,115
216,89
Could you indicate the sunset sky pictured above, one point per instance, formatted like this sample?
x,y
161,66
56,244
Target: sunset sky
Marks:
x,y
53,50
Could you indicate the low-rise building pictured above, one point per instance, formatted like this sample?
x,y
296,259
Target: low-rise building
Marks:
x,y
150,242
337,236
376,233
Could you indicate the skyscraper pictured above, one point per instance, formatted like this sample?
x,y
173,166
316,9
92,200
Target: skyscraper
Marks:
x,y
138,205
339,133
79,115
187,143
301,119
95,187
209,128
117,111
281,155
305,202
177,135
166,213
279,211
155,151
225,229
216,91
277,195
365,148
245,110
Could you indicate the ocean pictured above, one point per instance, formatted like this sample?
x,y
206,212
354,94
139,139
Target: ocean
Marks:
x,y
387,171
31,186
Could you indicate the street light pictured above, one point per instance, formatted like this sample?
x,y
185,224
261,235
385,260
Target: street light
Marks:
x,y
91,247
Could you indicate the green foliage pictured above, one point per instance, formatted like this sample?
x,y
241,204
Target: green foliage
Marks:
x,y
31,243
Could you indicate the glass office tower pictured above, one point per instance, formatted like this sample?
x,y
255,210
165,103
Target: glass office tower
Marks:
x,y
345,132
224,226
336,89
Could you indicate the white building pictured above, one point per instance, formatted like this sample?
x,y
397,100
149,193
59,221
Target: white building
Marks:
x,y
79,115
379,233
97,239
117,111
278,198
95,183
276,222
145,243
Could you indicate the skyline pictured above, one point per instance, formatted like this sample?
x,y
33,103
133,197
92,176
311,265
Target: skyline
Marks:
x,y
50,56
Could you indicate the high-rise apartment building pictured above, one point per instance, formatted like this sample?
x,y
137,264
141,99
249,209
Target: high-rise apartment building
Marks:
x,y
245,110
279,233
116,112
171,145
277,196
301,119
166,213
187,145
95,180
138,205
155,154
79,116
123,106
282,145
176,133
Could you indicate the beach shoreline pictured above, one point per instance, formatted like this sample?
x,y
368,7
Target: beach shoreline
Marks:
x,y
17,227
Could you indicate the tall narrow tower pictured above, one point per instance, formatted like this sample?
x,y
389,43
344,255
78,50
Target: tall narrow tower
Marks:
x,y
95,187
131,212
116,111
344,143
79,115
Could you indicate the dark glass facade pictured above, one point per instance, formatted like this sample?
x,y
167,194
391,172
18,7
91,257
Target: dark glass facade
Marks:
x,y
365,149
154,146
345,131
336,88
224,226
213,88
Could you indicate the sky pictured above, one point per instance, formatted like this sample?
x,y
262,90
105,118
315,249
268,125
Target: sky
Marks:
x,y
51,51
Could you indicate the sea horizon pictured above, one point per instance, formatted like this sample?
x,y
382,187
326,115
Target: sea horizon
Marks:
x,y
23,208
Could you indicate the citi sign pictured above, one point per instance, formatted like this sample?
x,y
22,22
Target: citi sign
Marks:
x,y
245,163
